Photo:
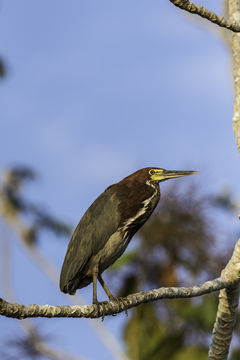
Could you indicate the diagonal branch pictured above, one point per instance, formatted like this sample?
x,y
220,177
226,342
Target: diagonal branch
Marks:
x,y
206,14
20,311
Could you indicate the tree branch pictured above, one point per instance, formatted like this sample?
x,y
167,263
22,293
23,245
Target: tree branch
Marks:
x,y
206,14
20,311
229,281
234,15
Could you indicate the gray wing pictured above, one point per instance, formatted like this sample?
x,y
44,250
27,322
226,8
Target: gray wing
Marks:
x,y
98,223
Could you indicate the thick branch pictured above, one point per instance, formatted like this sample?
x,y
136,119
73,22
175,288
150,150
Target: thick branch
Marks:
x,y
234,15
20,311
206,14
227,308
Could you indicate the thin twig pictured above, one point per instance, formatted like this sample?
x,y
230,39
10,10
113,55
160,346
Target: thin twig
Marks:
x,y
221,33
206,14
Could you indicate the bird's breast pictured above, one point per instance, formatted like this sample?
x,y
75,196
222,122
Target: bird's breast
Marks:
x,y
112,250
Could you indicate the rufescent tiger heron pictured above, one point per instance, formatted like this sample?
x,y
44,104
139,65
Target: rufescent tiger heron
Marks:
x,y
108,225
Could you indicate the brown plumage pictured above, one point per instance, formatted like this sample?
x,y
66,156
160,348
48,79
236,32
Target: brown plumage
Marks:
x,y
108,225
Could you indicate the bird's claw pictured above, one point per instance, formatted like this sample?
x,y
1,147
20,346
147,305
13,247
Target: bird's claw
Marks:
x,y
98,309
97,306
121,303
124,302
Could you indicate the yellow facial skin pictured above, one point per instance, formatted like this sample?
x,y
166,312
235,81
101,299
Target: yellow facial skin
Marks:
x,y
156,174
162,174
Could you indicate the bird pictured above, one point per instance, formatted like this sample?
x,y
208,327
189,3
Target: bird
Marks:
x,y
108,225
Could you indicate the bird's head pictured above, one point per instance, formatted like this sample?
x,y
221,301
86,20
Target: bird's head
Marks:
x,y
158,174
155,175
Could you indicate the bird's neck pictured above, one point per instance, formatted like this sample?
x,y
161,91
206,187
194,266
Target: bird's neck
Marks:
x,y
141,199
152,201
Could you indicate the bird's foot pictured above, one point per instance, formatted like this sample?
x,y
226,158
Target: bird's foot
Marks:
x,y
113,299
122,303
99,306
103,303
96,303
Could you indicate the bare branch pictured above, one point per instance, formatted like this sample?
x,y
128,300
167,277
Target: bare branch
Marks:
x,y
227,308
20,311
229,279
206,14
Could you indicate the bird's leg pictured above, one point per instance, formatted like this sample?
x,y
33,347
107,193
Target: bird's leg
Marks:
x,y
95,300
109,294
94,277
105,288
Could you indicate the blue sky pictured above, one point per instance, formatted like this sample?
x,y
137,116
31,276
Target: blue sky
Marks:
x,y
96,90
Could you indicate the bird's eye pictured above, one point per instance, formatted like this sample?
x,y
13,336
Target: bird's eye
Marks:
x,y
151,172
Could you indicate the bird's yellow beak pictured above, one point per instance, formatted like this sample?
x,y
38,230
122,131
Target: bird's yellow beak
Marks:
x,y
162,174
